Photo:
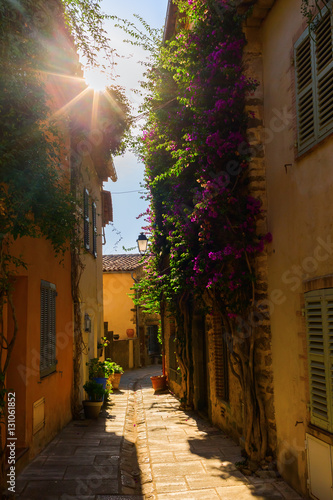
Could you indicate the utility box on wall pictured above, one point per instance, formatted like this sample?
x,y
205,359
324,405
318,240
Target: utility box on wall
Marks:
x,y
320,468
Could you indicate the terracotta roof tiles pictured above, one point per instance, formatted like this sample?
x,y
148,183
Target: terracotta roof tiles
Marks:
x,y
121,262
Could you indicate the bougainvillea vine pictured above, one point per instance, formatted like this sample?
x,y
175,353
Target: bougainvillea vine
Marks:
x,y
196,155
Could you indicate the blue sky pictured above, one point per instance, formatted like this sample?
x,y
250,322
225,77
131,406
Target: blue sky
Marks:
x,y
127,206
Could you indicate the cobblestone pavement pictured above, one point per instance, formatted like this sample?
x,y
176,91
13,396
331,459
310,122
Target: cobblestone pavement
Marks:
x,y
144,447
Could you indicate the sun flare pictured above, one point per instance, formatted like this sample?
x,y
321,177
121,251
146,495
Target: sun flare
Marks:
x,y
96,80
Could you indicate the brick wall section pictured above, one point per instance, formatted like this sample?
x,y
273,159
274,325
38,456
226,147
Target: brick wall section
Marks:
x,y
226,414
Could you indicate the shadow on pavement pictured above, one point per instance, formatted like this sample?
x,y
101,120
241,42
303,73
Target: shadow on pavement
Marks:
x,y
205,456
88,460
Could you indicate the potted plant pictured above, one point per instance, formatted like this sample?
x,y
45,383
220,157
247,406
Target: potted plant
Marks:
x,y
96,393
97,371
116,372
158,382
104,342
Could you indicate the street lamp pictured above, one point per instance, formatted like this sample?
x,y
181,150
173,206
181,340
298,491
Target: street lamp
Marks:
x,y
142,242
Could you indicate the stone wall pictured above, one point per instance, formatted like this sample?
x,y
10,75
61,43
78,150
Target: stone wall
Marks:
x,y
257,186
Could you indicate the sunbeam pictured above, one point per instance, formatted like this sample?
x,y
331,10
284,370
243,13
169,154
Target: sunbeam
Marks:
x,y
96,79
70,103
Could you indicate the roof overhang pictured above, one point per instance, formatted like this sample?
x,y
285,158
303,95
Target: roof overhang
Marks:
x,y
104,168
259,10
107,209
170,20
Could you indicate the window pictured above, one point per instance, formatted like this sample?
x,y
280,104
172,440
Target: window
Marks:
x,y
90,224
221,359
314,82
319,322
47,328
86,221
94,229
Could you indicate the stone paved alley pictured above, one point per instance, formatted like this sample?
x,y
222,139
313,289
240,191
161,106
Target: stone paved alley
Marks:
x,y
144,447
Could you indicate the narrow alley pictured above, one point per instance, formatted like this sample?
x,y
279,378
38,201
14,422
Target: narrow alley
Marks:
x,y
143,446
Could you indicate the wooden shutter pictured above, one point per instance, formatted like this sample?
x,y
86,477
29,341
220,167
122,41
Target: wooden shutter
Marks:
x,y
314,82
324,73
305,92
86,219
47,328
329,357
221,359
94,224
319,318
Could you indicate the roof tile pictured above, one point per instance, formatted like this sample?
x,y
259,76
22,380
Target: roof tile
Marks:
x,y
121,262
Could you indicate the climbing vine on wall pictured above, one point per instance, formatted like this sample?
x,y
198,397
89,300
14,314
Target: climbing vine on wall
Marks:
x,y
201,218
196,155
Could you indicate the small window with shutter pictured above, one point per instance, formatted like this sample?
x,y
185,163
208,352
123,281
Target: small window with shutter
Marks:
x,y
314,82
94,228
47,328
86,221
319,323
221,363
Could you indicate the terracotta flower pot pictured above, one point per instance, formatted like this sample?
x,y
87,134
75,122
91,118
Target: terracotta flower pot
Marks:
x,y
92,408
159,382
115,380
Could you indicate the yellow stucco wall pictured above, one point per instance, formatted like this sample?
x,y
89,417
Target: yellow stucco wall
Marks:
x,y
117,303
91,282
23,375
299,191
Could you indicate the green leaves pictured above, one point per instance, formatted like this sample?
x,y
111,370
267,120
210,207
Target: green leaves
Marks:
x,y
195,151
85,20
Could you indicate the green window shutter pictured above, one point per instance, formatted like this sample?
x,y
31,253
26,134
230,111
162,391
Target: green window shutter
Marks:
x,y
314,81
329,357
47,328
94,223
86,221
324,72
319,320
305,92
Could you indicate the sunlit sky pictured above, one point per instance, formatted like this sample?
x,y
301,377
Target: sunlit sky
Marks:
x,y
127,204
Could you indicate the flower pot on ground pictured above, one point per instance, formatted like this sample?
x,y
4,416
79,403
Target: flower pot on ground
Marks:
x,y
158,382
100,371
115,373
101,380
115,380
92,408
96,393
